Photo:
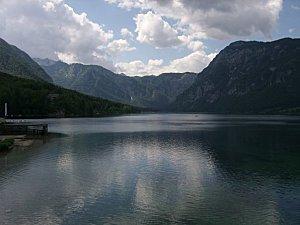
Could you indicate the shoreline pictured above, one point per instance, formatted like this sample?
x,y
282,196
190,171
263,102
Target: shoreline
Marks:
x,y
27,142
25,119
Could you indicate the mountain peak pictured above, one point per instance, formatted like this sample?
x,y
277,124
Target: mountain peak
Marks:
x,y
45,61
247,77
241,43
18,63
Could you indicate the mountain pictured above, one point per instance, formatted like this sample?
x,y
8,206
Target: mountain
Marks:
x,y
16,62
248,77
44,62
32,98
160,91
150,91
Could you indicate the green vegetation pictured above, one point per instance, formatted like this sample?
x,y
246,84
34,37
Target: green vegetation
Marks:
x,y
31,99
16,62
6,144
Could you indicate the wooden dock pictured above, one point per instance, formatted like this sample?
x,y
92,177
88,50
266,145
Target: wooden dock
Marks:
x,y
23,128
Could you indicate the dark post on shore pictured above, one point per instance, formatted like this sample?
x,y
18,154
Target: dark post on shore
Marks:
x,y
5,110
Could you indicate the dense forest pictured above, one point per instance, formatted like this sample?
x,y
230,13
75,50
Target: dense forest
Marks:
x,y
30,98
17,62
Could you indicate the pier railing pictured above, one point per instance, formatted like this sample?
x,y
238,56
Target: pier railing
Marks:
x,y
23,128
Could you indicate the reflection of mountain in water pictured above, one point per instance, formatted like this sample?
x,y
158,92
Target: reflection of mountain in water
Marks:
x,y
221,175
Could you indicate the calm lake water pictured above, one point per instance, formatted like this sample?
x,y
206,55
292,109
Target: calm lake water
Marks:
x,y
157,169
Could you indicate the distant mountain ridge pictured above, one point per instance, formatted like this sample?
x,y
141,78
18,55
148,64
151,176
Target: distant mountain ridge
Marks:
x,y
248,77
149,91
28,98
18,63
29,91
245,77
44,62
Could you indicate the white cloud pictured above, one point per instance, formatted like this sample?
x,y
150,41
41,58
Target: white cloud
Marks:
x,y
126,33
152,29
118,46
51,28
49,6
127,3
217,19
67,57
195,45
195,20
194,62
138,68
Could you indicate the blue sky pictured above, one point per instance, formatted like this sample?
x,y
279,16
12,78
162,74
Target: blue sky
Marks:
x,y
161,36
115,18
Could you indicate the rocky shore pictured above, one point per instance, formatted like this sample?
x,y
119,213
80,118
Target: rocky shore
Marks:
x,y
19,140
25,142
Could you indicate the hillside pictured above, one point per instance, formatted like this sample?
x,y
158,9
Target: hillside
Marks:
x,y
16,62
30,98
149,91
248,77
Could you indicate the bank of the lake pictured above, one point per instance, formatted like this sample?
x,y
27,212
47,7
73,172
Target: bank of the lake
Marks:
x,y
37,99
24,142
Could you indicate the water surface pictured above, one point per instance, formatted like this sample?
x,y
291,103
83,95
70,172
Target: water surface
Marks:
x,y
157,169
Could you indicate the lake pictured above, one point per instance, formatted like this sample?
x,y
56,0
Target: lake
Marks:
x,y
157,169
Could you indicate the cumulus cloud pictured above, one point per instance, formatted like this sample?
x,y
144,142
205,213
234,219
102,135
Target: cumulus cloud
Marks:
x,y
126,33
127,3
138,68
195,45
51,28
195,20
217,19
152,29
118,46
195,62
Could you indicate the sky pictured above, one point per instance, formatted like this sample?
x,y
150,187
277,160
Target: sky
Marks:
x,y
143,37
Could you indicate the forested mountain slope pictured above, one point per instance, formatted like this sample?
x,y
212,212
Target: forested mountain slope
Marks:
x,y
248,77
16,62
150,91
31,98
